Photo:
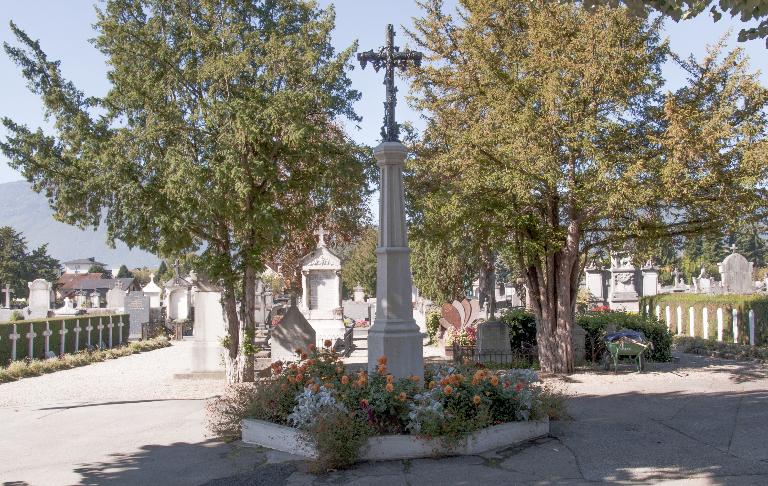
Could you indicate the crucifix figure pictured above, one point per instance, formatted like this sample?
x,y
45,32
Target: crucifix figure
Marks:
x,y
176,268
732,248
8,291
389,57
320,233
676,274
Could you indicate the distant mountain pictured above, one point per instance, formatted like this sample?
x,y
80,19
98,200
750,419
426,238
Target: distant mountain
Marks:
x,y
28,212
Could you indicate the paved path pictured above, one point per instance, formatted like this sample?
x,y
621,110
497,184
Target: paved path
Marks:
x,y
127,421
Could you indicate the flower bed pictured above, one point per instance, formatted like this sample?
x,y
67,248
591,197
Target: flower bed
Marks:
x,y
341,417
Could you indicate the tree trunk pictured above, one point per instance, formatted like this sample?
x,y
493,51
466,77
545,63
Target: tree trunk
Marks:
x,y
234,365
249,323
487,281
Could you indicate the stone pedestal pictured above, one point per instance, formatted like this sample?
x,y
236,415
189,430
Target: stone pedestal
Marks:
x,y
208,330
394,333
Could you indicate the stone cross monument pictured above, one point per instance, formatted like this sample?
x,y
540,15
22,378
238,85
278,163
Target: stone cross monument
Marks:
x,y
7,291
394,333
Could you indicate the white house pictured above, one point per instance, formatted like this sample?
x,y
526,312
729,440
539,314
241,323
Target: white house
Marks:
x,y
81,265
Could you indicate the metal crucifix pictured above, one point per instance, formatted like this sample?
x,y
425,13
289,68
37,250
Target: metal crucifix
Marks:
x,y
389,57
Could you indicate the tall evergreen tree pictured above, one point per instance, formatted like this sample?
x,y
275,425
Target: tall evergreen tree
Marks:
x,y
556,122
221,134
18,265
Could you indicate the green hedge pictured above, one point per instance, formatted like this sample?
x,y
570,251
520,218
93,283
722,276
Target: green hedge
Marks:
x,y
742,303
522,328
597,323
55,323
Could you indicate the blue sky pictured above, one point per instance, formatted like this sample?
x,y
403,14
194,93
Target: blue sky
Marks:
x,y
64,27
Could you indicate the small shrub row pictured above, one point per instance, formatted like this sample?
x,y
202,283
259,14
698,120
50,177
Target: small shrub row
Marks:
x,y
522,328
36,367
716,349
598,324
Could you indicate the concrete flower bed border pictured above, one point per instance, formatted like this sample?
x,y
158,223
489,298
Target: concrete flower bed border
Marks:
x,y
393,447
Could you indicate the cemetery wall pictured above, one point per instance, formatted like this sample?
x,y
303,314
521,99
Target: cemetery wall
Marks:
x,y
743,304
54,340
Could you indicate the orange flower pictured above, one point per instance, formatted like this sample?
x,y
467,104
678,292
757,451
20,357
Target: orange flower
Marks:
x,y
494,380
344,380
311,362
299,377
291,379
415,379
382,369
293,366
382,360
447,390
403,396
519,386
303,356
327,343
476,400
444,381
390,378
390,387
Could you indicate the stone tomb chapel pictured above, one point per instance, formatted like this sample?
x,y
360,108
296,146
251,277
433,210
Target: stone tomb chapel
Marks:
x,y
321,291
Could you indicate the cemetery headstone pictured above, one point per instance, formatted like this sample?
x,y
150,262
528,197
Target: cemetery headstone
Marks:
x,y
137,308
7,291
116,297
493,343
292,333
95,299
358,294
67,310
321,285
39,301
736,274
579,343
208,329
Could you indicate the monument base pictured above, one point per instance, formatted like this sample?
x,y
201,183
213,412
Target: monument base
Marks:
x,y
401,343
332,329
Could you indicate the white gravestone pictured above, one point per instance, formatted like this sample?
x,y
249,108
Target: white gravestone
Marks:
x,y
736,274
321,284
720,324
67,310
116,297
359,294
95,300
208,330
625,286
39,298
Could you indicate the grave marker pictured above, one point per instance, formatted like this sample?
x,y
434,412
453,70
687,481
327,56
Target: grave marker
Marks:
x,y
137,307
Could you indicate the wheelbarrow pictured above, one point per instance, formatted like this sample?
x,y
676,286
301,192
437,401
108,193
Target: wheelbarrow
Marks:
x,y
629,344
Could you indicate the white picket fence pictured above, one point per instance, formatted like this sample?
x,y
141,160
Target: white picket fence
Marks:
x,y
700,319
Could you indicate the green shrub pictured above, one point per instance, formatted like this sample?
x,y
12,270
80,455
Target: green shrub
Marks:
x,y
741,303
16,316
36,367
715,349
522,328
338,438
596,325
433,324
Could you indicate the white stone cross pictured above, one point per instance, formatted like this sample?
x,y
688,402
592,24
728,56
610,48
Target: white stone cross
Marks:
x,y
14,337
77,335
110,326
8,291
31,335
320,233
120,326
732,248
100,327
89,328
63,345
47,333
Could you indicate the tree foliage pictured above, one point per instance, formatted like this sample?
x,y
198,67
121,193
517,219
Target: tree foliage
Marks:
x,y
359,266
548,129
123,272
18,265
220,135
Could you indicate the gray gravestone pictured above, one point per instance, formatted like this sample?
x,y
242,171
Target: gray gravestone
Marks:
x,y
292,333
579,344
736,274
137,308
493,342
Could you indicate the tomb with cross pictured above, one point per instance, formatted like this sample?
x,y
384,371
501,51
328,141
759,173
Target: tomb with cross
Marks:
x,y
321,285
7,291
394,333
